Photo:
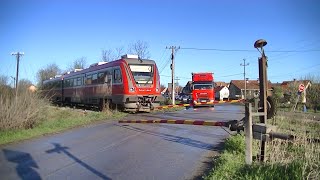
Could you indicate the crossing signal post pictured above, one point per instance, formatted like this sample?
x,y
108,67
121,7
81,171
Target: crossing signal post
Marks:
x,y
259,44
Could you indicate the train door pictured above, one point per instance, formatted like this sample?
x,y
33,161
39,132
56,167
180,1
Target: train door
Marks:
x,y
108,83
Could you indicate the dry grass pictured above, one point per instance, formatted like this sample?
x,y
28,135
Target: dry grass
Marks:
x,y
298,159
23,111
301,150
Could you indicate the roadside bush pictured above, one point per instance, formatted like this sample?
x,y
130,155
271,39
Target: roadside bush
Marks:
x,y
235,144
313,97
23,111
166,101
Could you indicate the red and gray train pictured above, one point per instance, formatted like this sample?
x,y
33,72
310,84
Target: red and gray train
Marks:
x,y
130,83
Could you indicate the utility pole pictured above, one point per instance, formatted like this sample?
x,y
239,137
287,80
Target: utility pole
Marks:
x,y
14,81
244,77
173,51
17,54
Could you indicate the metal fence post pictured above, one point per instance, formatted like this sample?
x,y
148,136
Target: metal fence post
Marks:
x,y
248,133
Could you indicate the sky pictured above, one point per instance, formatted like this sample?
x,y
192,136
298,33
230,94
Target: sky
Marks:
x,y
61,31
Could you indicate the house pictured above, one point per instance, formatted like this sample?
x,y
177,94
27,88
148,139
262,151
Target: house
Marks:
x,y
221,83
177,88
237,89
187,89
221,92
288,85
164,90
292,87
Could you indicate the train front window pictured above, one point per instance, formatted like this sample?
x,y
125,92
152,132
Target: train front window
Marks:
x,y
142,74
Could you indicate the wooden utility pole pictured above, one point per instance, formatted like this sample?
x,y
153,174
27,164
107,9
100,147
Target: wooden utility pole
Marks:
x,y
17,54
173,51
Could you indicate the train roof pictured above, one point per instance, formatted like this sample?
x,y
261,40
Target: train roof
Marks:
x,y
102,65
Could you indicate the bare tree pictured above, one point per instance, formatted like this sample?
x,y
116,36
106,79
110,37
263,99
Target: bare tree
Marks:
x,y
25,83
141,48
111,55
313,96
4,80
46,73
119,52
79,63
107,55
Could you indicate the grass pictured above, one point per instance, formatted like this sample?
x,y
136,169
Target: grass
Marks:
x,y
285,159
57,120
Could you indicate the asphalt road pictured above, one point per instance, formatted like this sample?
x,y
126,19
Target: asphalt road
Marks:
x,y
123,151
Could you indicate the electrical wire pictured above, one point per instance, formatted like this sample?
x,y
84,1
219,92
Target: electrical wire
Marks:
x,y
247,50
161,60
301,69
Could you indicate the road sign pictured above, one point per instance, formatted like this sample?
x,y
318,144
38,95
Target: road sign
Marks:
x,y
301,87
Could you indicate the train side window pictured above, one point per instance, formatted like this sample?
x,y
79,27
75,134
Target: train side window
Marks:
x,y
79,81
59,84
89,79
108,76
101,78
71,82
117,76
94,78
67,83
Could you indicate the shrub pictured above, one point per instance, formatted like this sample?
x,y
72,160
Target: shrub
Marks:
x,y
23,111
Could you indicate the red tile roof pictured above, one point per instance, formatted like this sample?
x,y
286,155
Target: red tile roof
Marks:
x,y
221,83
251,84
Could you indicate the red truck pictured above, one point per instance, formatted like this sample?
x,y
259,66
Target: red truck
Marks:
x,y
202,89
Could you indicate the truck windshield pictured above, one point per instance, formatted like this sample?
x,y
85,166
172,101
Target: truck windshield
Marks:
x,y
202,86
142,74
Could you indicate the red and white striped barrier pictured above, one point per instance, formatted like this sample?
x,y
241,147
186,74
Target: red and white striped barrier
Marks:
x,y
187,122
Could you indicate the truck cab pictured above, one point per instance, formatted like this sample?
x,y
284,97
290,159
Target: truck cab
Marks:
x,y
202,89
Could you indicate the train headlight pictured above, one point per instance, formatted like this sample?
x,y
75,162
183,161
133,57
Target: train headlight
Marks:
x,y
132,89
157,89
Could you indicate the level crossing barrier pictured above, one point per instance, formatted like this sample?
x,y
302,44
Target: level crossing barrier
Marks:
x,y
232,124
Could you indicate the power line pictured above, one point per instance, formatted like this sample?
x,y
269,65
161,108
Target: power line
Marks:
x,y
229,75
162,60
247,50
299,70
